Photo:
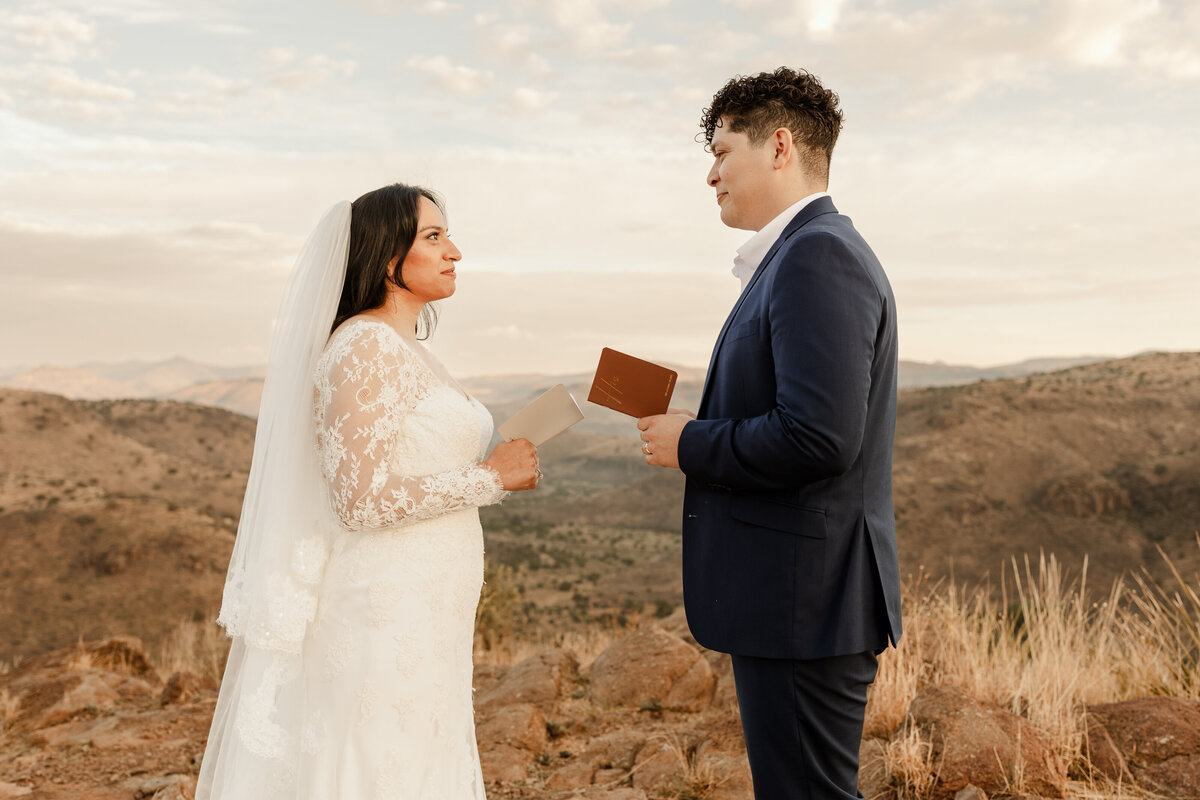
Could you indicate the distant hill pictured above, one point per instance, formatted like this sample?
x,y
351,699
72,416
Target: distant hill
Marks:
x,y
127,379
919,373
1100,461
239,389
119,515
115,515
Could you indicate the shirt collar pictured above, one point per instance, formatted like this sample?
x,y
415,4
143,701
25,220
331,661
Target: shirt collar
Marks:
x,y
750,255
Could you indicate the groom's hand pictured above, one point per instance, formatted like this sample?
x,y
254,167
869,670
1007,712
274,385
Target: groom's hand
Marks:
x,y
660,437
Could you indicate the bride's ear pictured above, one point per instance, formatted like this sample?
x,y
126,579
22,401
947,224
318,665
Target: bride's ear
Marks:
x,y
391,267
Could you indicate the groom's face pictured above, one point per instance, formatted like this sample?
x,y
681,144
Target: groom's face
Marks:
x,y
741,174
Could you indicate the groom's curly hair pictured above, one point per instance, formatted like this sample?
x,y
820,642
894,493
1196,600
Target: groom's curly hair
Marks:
x,y
758,105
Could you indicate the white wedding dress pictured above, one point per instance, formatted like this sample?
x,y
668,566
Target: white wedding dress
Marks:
x,y
387,661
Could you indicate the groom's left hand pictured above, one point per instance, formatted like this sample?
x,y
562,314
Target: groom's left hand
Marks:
x,y
660,437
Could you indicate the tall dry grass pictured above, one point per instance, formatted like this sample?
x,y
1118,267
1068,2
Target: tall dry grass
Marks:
x,y
1045,647
199,647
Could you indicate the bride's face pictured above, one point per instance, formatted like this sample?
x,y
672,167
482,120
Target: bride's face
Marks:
x,y
428,269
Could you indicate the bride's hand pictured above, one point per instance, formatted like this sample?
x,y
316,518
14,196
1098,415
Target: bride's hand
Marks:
x,y
517,463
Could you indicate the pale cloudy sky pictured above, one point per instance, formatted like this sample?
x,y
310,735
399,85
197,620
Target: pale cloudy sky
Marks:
x,y
1026,169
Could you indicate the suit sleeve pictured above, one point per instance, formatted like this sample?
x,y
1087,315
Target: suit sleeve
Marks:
x,y
824,313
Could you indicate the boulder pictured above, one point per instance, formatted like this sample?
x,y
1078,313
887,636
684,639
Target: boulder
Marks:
x,y
1153,741
658,764
730,775
183,687
89,694
615,750
872,771
11,791
652,668
676,623
74,734
725,693
166,787
485,676
537,680
124,654
608,778
971,793
981,744
575,774
522,726
502,763
614,794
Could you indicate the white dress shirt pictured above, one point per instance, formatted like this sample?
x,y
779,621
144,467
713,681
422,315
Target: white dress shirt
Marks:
x,y
750,255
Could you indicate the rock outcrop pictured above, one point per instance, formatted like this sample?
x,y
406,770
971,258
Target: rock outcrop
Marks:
x,y
652,669
97,722
1153,742
982,744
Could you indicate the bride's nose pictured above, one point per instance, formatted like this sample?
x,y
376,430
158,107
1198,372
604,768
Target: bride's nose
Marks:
x,y
453,254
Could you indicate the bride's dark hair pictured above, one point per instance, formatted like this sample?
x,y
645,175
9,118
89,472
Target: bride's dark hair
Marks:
x,y
383,226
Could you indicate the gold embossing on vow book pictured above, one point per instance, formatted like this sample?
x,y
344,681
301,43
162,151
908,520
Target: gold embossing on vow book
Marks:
x,y
630,385
546,417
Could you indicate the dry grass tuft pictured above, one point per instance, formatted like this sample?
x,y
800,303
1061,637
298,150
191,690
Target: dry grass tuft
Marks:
x,y
199,647
81,659
1044,650
909,761
10,706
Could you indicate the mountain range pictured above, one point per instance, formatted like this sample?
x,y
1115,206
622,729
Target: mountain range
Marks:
x,y
239,388
119,515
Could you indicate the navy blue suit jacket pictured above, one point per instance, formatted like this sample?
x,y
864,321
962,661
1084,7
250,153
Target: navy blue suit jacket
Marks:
x,y
789,545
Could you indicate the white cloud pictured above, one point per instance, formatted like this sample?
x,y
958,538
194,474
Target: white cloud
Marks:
x,y
130,12
649,56
1177,64
585,26
985,143
59,92
1096,32
198,92
227,29
823,15
457,79
279,56
394,7
288,71
526,99
50,34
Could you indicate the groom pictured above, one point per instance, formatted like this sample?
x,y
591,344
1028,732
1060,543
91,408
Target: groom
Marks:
x,y
789,548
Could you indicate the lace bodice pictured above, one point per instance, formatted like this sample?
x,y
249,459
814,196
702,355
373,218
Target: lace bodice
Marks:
x,y
380,413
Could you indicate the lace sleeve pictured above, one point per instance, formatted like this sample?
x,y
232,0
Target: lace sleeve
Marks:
x,y
364,387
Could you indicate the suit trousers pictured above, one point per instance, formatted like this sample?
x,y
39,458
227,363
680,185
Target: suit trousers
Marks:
x,y
803,723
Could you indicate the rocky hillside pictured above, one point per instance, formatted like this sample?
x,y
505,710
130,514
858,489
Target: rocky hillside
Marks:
x,y
1101,461
651,717
118,516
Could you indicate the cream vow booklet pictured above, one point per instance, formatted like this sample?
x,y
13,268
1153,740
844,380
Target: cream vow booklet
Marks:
x,y
543,419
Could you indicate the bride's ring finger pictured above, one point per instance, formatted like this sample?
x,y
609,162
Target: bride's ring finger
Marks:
x,y
646,448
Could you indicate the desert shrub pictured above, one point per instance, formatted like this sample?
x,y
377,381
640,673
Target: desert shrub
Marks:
x,y
499,613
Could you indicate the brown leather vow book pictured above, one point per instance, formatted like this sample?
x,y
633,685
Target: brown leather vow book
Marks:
x,y
630,385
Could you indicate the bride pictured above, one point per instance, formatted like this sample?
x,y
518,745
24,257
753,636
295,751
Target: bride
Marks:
x,y
358,563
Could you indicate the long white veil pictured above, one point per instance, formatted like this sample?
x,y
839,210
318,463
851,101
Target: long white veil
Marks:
x,y
270,595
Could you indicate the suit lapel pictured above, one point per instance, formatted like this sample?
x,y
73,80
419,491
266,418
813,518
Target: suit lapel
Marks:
x,y
822,205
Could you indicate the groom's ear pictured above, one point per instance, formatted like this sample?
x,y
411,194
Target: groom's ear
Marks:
x,y
784,148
